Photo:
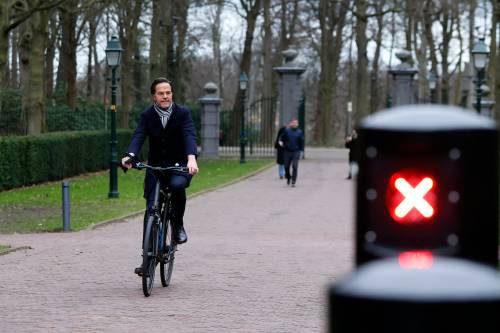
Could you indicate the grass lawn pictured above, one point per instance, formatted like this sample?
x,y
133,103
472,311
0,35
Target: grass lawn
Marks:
x,y
38,208
4,248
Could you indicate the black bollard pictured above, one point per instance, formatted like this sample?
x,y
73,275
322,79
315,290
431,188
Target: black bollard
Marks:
x,y
65,206
417,292
428,179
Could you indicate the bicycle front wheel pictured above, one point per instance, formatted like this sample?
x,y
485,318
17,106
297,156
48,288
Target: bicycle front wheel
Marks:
x,y
150,248
167,263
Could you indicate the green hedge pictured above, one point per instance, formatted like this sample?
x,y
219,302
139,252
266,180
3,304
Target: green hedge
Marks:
x,y
27,160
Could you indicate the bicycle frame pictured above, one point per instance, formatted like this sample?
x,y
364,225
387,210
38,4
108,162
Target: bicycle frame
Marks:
x,y
158,222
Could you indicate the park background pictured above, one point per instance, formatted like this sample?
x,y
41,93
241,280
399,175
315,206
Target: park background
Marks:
x,y
55,89
54,76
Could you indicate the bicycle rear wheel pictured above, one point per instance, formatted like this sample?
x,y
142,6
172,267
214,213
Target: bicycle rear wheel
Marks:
x,y
150,248
167,263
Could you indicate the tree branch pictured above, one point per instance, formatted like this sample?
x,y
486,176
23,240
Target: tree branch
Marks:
x,y
23,16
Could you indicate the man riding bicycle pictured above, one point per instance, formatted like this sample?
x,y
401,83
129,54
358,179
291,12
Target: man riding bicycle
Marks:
x,y
172,140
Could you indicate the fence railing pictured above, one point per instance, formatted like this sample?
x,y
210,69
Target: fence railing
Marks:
x,y
261,125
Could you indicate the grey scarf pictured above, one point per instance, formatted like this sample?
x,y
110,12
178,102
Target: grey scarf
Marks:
x,y
163,113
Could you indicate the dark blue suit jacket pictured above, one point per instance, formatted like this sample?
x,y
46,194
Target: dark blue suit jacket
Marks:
x,y
293,139
168,145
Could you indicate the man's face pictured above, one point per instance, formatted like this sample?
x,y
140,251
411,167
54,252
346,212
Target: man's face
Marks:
x,y
294,123
163,95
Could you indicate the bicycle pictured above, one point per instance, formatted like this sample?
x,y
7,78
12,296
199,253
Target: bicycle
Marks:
x,y
159,246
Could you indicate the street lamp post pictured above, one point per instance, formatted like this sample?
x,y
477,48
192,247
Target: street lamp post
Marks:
x,y
113,57
243,88
349,119
432,79
480,55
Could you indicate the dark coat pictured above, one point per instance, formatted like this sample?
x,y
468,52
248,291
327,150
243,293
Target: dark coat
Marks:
x,y
293,139
168,145
352,146
280,159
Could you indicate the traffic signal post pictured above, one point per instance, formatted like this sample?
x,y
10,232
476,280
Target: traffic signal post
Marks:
x,y
428,180
426,225
414,294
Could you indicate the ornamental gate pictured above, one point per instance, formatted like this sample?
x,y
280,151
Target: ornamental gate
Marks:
x,y
261,125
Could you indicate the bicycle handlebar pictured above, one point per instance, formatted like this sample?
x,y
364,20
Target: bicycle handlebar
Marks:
x,y
140,166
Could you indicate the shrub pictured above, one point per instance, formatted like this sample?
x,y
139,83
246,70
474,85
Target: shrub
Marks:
x,y
33,159
10,112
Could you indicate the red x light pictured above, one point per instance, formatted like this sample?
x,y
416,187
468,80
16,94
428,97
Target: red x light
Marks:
x,y
416,259
411,197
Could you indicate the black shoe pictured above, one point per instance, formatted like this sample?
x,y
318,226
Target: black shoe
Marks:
x,y
180,236
139,270
281,177
288,181
293,184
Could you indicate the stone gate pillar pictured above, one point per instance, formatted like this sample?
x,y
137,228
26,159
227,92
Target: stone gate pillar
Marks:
x,y
289,87
403,87
210,124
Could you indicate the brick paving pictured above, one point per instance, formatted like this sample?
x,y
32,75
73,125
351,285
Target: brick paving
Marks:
x,y
259,258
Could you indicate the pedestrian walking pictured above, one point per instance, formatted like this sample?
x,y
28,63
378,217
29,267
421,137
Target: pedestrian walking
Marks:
x,y
280,159
351,143
293,143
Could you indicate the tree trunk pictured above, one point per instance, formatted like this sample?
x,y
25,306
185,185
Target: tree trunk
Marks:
x,y
180,70
428,21
14,66
332,19
66,74
138,78
267,71
447,23
154,44
96,87
92,23
4,41
32,61
409,22
246,57
4,55
374,87
361,106
50,52
161,46
216,45
129,33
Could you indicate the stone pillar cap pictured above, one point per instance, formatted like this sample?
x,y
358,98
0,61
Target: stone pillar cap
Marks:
x,y
211,96
210,88
289,55
405,66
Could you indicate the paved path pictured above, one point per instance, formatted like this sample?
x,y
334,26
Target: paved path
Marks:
x,y
258,260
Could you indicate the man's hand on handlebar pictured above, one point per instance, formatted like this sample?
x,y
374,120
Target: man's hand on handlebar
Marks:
x,y
192,165
127,162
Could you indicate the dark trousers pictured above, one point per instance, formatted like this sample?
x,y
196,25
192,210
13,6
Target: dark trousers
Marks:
x,y
291,158
177,184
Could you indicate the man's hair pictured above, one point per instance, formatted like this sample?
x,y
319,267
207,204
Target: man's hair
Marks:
x,y
157,81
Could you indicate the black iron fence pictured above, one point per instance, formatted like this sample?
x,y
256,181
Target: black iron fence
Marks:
x,y
261,124
88,115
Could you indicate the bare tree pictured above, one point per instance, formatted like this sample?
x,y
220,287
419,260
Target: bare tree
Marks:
x,y
331,17
251,10
32,48
12,14
374,76
216,34
128,17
